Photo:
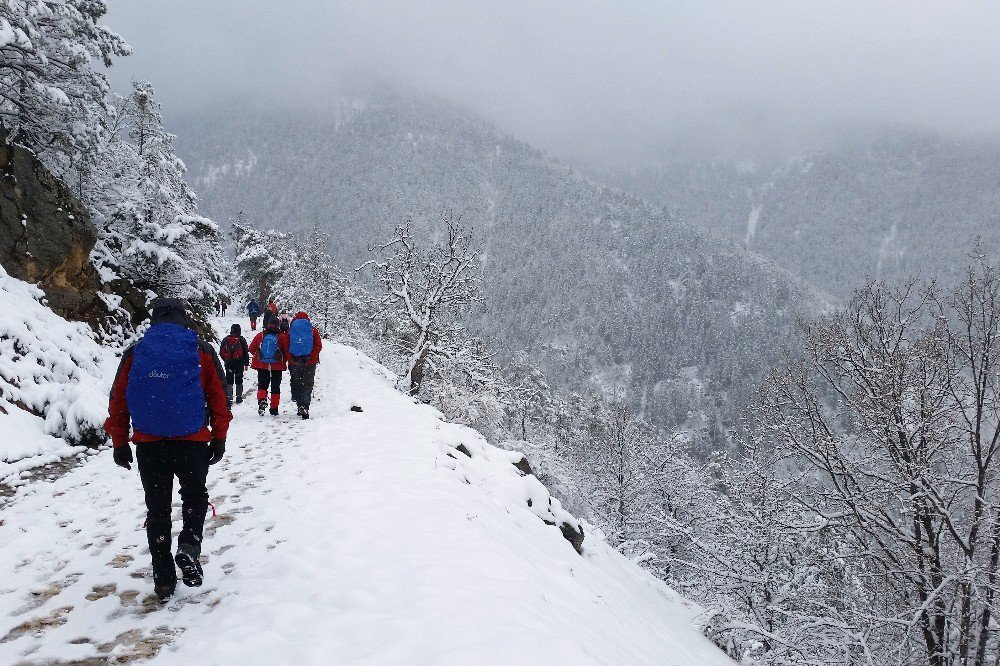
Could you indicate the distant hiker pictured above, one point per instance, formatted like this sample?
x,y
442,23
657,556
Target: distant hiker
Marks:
x,y
169,388
224,302
270,355
270,313
304,345
284,319
218,307
236,358
253,311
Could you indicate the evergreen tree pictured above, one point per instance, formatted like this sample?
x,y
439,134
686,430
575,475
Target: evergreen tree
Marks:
x,y
50,97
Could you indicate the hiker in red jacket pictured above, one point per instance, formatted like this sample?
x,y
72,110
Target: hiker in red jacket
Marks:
x,y
169,393
304,345
270,358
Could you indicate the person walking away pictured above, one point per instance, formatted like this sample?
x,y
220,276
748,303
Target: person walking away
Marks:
x,y
304,345
235,358
218,307
253,311
224,303
270,353
169,390
270,313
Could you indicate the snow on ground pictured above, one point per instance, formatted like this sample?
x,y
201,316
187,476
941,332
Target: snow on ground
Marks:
x,y
349,538
52,381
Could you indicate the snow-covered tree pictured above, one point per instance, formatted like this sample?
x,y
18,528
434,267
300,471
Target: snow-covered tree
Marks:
x,y
113,151
620,463
152,234
260,258
50,96
428,288
872,534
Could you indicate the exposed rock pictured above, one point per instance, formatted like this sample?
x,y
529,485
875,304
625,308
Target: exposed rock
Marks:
x,y
573,534
463,449
523,467
46,238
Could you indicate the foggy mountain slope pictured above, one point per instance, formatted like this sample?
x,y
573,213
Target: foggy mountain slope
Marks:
x,y
595,284
889,206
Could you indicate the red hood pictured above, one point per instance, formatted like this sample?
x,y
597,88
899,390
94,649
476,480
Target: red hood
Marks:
x,y
301,315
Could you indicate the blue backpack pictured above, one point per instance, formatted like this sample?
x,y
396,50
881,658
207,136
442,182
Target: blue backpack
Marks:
x,y
269,348
253,309
164,394
300,334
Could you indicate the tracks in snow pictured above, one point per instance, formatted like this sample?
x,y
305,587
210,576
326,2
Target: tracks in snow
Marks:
x,y
81,589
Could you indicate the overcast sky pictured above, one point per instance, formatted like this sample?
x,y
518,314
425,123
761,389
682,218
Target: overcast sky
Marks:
x,y
594,79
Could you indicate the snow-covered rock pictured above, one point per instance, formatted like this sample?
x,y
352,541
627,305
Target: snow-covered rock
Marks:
x,y
54,381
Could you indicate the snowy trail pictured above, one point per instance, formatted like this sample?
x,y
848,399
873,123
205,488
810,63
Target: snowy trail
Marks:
x,y
348,538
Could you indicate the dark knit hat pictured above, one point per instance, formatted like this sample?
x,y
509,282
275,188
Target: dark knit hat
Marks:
x,y
169,311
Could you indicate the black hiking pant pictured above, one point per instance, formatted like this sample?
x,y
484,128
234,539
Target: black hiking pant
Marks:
x,y
159,462
302,376
234,376
269,379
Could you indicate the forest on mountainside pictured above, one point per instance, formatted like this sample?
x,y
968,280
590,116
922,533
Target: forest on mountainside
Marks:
x,y
881,204
602,291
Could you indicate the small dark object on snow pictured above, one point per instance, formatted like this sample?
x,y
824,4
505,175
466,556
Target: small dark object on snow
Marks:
x,y
464,449
187,560
355,408
523,467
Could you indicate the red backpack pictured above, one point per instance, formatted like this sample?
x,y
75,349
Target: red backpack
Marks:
x,y
232,350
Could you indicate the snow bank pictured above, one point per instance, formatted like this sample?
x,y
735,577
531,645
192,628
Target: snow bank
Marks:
x,y
53,380
401,538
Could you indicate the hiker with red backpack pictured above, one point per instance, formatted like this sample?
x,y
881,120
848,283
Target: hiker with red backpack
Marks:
x,y
235,358
270,357
304,345
169,392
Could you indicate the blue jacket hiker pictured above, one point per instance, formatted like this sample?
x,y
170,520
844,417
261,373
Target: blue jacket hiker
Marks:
x,y
253,311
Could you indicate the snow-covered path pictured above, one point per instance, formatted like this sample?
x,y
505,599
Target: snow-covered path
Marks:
x,y
349,538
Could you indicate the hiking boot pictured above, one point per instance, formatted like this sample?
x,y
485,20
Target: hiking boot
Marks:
x,y
261,406
274,411
299,409
190,566
164,588
304,412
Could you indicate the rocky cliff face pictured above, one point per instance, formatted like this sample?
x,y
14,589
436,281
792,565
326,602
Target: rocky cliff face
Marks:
x,y
46,238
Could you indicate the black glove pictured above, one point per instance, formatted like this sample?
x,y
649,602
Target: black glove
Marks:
x,y
123,456
216,450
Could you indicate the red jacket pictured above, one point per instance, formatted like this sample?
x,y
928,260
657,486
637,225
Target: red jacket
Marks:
x,y
281,356
317,341
119,422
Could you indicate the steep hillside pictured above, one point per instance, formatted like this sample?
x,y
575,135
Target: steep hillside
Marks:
x,y
385,536
595,284
882,207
